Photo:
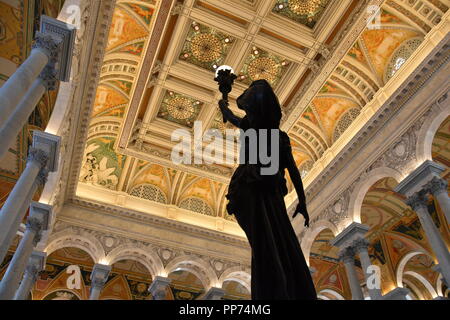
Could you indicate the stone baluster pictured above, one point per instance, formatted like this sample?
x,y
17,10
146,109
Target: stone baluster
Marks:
x,y
36,223
36,264
99,276
159,287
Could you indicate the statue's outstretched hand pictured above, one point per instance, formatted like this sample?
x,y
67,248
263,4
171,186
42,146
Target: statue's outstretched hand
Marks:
x,y
301,208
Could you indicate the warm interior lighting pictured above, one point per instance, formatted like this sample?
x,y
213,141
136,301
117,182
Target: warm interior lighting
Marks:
x,y
224,67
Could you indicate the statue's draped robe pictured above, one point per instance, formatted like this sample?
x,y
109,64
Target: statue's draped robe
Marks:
x,y
279,269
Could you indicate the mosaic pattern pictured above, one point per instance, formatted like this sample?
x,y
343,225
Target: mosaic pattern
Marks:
x,y
261,64
180,109
205,47
306,12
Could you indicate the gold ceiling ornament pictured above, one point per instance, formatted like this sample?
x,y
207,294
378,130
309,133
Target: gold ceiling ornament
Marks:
x,y
206,47
180,108
263,68
304,7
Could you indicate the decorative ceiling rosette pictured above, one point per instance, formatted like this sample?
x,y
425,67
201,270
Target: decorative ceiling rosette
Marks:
x,y
205,47
306,12
179,108
261,64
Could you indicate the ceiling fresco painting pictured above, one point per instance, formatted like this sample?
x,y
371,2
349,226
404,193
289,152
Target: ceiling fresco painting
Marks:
x,y
146,90
197,46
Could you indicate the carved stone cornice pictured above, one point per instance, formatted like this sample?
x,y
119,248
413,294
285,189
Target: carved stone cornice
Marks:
x,y
110,240
89,44
97,16
160,221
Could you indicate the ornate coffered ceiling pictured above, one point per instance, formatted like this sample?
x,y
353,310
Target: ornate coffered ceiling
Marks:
x,y
323,61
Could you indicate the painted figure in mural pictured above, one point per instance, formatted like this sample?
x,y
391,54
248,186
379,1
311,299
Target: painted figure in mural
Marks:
x,y
279,270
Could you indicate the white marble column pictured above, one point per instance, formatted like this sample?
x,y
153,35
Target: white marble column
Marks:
x,y
51,60
158,287
12,211
418,202
36,264
347,256
21,113
361,247
43,158
14,89
438,187
36,222
214,294
99,276
40,180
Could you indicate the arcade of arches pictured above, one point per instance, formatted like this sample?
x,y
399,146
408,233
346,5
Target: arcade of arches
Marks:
x,y
92,207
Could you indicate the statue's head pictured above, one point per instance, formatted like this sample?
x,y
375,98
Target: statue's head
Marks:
x,y
261,105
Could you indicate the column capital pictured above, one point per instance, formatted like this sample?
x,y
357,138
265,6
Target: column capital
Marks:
x,y
436,186
352,232
39,156
417,200
66,34
158,287
214,294
360,244
99,275
48,43
347,255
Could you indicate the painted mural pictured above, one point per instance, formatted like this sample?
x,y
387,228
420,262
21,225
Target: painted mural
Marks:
x,y
101,165
366,66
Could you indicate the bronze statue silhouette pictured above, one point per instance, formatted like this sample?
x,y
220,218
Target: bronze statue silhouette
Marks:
x,y
279,270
